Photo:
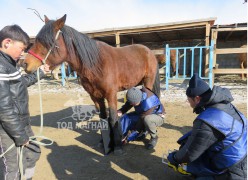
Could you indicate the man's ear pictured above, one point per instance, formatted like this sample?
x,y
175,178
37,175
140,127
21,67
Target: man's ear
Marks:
x,y
6,43
197,99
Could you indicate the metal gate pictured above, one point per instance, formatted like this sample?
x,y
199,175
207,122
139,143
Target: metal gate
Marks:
x,y
72,75
191,63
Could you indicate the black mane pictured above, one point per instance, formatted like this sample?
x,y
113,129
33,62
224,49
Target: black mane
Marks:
x,y
76,43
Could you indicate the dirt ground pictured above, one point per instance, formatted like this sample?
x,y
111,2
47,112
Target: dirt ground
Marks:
x,y
75,153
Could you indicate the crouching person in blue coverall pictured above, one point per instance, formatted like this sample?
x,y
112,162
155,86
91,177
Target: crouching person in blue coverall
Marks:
x,y
148,115
216,148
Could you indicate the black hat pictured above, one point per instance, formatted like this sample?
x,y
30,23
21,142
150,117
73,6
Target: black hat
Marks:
x,y
134,95
197,86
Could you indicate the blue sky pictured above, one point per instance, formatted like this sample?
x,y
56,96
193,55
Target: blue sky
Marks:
x,y
86,15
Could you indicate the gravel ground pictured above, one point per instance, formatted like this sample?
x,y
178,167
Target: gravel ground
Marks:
x,y
175,93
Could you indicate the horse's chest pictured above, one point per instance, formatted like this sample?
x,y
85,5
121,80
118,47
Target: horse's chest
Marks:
x,y
92,89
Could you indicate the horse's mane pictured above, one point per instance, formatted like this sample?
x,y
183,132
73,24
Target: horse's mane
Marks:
x,y
76,43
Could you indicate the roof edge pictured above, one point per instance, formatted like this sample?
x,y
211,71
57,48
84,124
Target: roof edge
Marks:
x,y
211,19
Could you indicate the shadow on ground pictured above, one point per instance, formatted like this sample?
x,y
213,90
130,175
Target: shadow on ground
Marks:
x,y
88,162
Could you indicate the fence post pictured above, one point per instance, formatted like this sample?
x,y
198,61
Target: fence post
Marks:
x,y
192,61
167,66
63,74
211,55
184,63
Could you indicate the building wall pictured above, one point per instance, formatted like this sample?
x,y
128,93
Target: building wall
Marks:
x,y
228,60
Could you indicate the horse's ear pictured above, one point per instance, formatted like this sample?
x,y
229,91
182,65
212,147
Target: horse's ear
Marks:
x,y
59,23
46,19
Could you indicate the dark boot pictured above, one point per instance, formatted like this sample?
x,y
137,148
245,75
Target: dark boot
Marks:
x,y
152,143
142,136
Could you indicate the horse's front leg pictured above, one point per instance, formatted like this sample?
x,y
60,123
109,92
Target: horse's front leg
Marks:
x,y
113,119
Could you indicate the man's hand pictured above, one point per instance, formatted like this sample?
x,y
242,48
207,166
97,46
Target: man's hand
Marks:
x,y
26,143
119,113
181,168
171,158
45,68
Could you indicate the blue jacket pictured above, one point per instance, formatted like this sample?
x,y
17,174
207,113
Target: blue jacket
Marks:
x,y
148,103
225,153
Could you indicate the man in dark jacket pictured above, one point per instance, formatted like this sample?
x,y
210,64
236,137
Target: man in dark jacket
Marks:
x,y
14,114
216,146
148,115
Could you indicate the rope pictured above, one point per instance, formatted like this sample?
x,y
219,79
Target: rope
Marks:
x,y
50,50
32,138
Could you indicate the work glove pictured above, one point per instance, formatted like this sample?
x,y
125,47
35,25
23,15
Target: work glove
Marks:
x,y
181,168
171,158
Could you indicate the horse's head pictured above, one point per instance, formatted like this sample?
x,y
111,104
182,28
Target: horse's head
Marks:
x,y
49,46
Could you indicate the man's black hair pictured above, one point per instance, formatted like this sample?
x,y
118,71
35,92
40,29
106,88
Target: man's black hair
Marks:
x,y
15,33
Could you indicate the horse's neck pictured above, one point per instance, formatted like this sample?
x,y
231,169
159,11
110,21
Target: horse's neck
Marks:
x,y
74,63
77,65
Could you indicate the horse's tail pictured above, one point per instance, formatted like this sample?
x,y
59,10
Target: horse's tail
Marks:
x,y
156,85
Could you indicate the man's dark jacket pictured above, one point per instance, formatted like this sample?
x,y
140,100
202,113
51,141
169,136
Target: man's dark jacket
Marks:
x,y
14,111
203,135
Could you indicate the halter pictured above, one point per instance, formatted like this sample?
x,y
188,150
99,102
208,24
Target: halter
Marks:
x,y
49,52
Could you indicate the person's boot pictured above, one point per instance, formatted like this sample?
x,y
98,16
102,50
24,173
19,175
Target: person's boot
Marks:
x,y
142,136
152,143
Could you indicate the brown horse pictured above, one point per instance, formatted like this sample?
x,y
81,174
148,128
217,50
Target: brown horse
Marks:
x,y
243,60
161,58
104,70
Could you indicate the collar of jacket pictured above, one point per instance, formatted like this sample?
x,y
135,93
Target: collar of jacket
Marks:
x,y
8,58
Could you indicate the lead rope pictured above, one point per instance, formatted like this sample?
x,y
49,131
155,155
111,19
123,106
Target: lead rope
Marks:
x,y
32,138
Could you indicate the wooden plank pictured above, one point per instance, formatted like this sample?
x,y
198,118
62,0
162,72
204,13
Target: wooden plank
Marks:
x,y
231,50
207,44
230,71
117,40
158,51
214,37
232,29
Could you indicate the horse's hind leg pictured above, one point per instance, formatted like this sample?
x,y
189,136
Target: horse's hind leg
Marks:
x,y
100,106
152,82
148,82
